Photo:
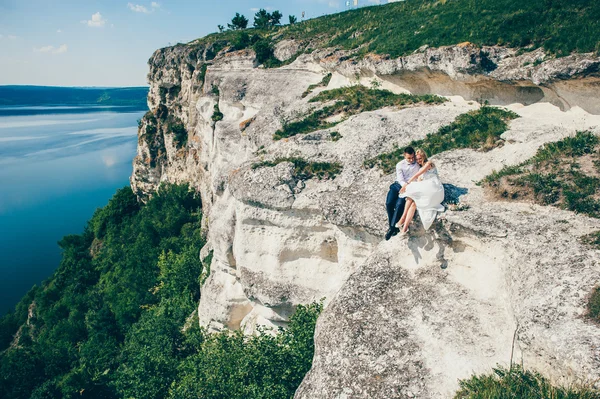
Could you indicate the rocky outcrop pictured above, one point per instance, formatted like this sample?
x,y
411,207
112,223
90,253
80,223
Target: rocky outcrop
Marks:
x,y
404,318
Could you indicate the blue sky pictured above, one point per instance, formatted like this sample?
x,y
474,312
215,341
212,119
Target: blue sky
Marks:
x,y
108,42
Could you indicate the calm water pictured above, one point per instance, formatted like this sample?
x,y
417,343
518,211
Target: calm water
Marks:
x,y
57,165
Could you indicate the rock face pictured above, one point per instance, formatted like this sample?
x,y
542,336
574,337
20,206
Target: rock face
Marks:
x,y
403,318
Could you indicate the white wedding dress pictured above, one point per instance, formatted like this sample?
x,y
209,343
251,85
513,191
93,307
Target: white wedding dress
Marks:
x,y
428,194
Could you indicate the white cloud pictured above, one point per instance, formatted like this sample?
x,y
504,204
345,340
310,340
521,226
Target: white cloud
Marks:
x,y
58,31
52,50
61,49
143,9
97,21
138,8
9,37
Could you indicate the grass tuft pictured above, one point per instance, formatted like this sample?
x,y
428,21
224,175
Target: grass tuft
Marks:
x,y
304,169
518,383
594,305
480,129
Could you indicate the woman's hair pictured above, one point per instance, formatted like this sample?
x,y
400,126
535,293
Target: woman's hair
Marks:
x,y
422,153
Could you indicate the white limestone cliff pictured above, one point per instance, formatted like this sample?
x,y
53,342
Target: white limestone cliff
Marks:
x,y
407,317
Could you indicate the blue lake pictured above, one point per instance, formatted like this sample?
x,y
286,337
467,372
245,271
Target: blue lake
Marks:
x,y
57,165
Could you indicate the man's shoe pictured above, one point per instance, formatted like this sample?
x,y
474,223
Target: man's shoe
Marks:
x,y
391,232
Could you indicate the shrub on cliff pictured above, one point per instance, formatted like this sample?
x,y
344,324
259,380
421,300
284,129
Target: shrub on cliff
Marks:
x,y
564,173
518,383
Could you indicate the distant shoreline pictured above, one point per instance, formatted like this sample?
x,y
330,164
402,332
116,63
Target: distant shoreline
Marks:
x,y
23,95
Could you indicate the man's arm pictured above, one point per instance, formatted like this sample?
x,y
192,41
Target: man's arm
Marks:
x,y
400,178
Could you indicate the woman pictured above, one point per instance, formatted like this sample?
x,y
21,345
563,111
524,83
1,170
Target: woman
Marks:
x,y
424,192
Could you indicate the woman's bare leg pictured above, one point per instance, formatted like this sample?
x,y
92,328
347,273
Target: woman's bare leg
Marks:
x,y
407,205
409,216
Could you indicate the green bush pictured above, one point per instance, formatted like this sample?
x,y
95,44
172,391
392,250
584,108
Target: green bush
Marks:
x,y
518,383
480,129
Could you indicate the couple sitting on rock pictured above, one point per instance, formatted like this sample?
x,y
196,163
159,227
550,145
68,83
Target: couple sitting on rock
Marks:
x,y
417,188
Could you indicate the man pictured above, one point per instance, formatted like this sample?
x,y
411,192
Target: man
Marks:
x,y
405,169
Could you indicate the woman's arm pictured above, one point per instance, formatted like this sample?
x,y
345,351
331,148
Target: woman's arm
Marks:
x,y
423,169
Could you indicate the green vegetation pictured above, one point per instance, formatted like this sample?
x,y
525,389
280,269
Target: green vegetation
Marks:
x,y
518,383
108,323
202,73
349,101
304,169
594,303
323,83
563,173
264,366
217,114
175,126
592,239
238,22
480,129
335,136
400,28
266,20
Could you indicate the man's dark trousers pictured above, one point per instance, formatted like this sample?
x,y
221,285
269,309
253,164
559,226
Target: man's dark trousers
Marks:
x,y
394,204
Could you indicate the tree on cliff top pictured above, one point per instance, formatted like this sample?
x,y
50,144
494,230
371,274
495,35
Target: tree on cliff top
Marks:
x,y
238,22
266,20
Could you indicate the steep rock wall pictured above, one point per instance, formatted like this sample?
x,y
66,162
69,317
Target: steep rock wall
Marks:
x,y
407,317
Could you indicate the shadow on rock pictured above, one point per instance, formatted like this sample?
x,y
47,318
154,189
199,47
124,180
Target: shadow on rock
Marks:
x,y
452,194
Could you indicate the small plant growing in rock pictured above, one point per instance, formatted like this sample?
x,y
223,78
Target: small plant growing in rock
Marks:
x,y
217,114
594,305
